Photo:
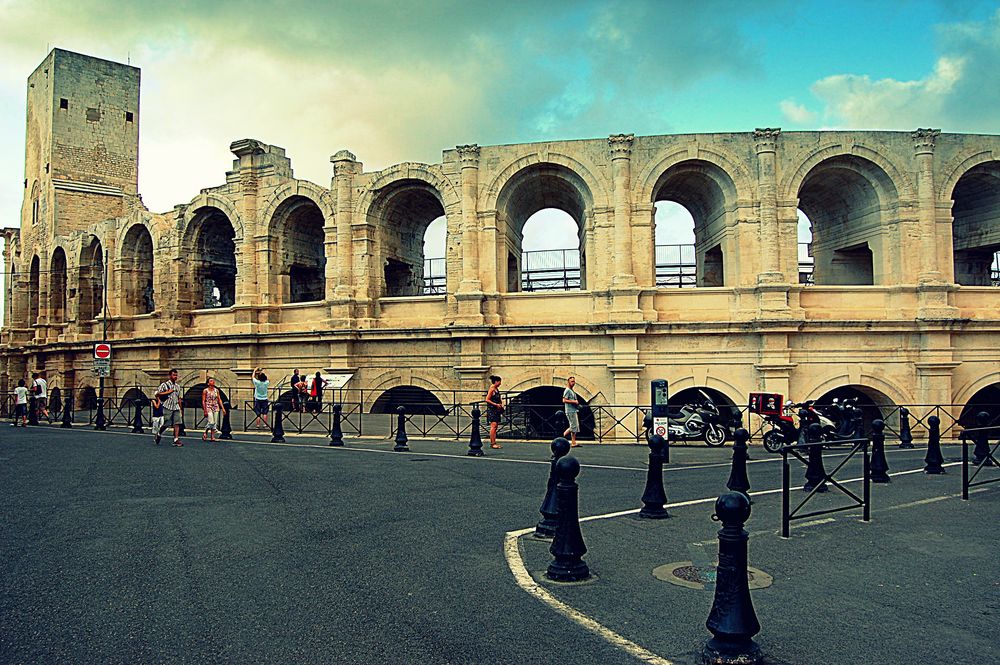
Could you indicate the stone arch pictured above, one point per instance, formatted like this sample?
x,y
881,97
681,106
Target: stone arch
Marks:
x,y
710,195
297,249
209,200
791,183
850,202
35,198
957,168
417,400
969,390
400,203
136,265
824,385
57,285
90,283
303,188
211,243
586,171
743,182
709,381
975,215
591,390
394,379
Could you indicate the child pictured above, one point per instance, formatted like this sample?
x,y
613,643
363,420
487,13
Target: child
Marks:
x,y
157,419
21,405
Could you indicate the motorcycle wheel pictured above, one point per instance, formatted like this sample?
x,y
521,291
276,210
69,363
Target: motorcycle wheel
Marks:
x,y
773,441
715,435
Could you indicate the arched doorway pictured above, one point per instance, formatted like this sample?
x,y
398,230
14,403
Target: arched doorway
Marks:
x,y
707,195
91,282
298,250
538,413
402,213
57,286
212,239
192,396
557,193
435,257
417,400
848,200
550,252
88,398
137,271
806,262
976,226
986,399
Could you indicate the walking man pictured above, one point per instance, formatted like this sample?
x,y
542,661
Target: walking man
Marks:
x,y
571,402
41,389
169,394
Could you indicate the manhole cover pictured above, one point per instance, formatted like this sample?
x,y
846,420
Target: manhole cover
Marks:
x,y
688,575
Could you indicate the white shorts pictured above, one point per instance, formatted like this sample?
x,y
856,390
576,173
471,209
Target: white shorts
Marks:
x,y
212,420
157,423
574,422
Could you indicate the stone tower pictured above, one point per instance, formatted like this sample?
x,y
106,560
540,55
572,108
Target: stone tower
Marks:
x,y
81,144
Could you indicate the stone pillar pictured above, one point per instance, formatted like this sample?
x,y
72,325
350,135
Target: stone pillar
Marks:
x,y
345,168
249,278
621,176
469,294
923,152
766,145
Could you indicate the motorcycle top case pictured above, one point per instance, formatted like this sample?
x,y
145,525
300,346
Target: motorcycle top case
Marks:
x,y
766,404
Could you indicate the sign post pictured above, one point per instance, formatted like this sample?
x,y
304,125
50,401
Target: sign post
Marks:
x,y
659,396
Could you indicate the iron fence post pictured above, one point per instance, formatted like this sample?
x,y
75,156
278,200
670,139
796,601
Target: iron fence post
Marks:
x,y
965,468
785,492
867,482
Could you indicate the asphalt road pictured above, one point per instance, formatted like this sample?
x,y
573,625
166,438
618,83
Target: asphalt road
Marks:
x,y
115,550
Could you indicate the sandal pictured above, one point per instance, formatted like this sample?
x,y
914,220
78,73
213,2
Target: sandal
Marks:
x,y
177,442
204,437
495,445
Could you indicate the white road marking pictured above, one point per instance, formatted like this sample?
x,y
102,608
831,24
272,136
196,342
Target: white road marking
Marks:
x,y
524,580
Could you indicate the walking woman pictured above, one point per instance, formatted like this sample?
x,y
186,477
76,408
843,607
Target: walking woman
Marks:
x,y
494,407
211,402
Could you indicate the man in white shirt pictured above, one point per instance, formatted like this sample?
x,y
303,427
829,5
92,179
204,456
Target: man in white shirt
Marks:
x,y
41,390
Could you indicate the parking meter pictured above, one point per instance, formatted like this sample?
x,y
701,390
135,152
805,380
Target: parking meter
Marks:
x,y
659,396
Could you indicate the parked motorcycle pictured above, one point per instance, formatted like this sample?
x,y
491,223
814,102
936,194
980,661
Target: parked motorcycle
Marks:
x,y
694,422
835,421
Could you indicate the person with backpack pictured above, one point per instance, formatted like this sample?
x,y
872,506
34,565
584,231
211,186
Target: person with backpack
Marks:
x,y
260,403
41,390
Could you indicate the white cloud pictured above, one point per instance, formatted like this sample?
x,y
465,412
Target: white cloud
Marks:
x,y
797,113
961,94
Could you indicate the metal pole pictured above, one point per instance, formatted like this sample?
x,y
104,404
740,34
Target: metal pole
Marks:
x,y
101,423
867,516
784,493
965,469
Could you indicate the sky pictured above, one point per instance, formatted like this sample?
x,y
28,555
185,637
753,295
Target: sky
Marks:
x,y
396,81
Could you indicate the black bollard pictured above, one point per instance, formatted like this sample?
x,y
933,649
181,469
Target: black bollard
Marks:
x,y
934,458
100,422
226,432
738,479
278,429
476,437
567,547
401,439
981,453
336,434
815,472
880,465
32,410
546,527
905,435
732,620
137,417
654,496
67,418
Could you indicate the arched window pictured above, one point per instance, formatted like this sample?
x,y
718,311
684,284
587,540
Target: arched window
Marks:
x,y
701,195
91,282
213,245
402,213
298,245
137,275
976,226
435,260
550,254
57,286
805,249
35,205
847,200
33,291
674,246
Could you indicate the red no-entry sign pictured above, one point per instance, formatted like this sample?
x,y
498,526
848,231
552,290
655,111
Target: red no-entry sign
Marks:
x,y
102,351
